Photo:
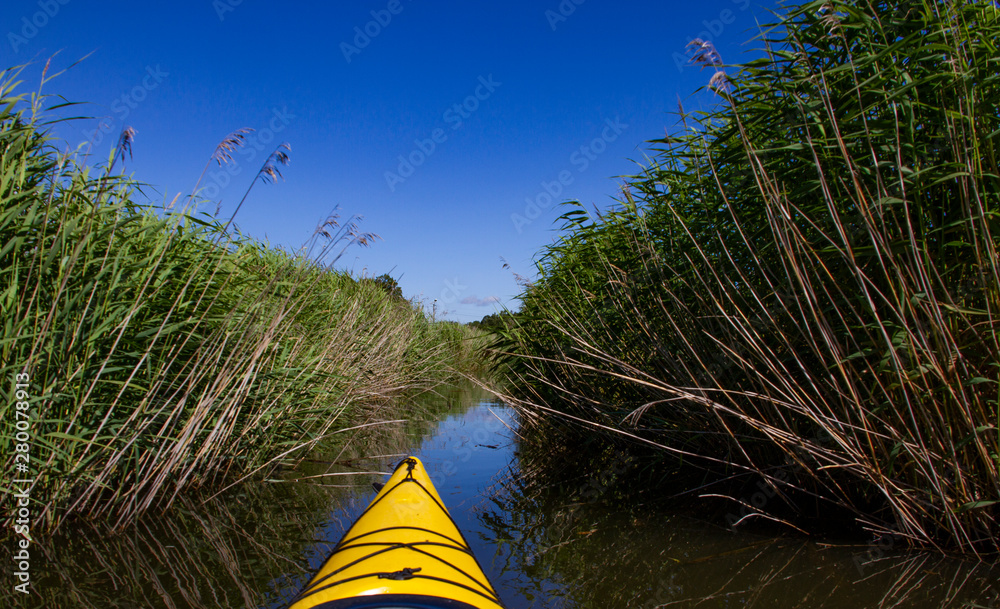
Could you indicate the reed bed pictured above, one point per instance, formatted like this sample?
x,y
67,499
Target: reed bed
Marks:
x,y
801,286
166,351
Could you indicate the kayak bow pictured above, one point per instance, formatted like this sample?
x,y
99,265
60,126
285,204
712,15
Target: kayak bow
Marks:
x,y
404,551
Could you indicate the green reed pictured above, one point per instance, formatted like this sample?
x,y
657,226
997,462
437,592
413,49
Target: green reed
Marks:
x,y
165,353
803,284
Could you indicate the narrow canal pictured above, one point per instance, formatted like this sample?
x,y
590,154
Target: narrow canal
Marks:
x,y
566,544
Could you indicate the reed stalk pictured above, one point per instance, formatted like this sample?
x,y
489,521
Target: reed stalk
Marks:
x,y
165,354
803,286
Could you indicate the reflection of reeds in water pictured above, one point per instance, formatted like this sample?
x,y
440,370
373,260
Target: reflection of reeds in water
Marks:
x,y
579,535
252,546
210,556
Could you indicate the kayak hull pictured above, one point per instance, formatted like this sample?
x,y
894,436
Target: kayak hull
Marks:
x,y
395,601
404,551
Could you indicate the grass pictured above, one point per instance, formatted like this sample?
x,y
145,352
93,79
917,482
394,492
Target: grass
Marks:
x,y
167,352
802,286
251,546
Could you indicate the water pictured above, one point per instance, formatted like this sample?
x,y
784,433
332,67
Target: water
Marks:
x,y
567,542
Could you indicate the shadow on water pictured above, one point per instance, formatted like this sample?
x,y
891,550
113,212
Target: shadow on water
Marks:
x,y
592,541
557,537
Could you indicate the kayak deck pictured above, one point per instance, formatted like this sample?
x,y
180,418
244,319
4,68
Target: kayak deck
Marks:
x,y
404,551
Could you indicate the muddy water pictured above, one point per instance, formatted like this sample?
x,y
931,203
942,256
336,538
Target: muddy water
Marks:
x,y
569,543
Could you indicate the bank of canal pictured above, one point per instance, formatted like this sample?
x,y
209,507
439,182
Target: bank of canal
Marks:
x,y
562,544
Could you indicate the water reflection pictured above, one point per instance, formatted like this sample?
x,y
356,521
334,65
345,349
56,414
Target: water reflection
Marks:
x,y
606,545
222,554
253,546
570,533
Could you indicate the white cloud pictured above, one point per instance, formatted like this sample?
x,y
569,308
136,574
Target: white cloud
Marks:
x,y
480,302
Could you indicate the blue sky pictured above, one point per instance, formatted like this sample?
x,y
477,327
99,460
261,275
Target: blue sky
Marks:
x,y
452,128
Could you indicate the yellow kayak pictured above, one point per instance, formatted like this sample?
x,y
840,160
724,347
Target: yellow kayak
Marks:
x,y
404,551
